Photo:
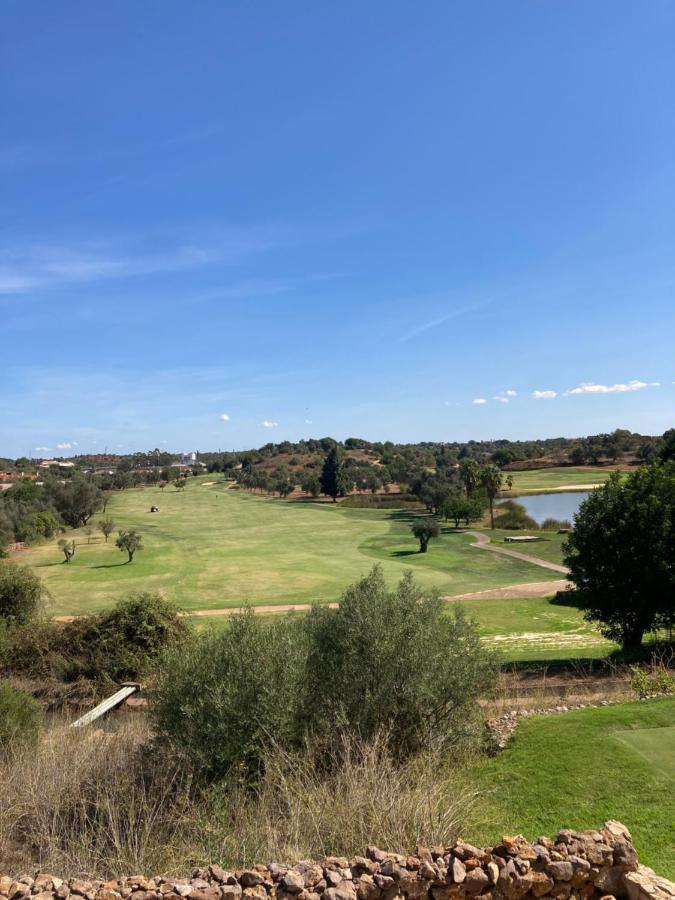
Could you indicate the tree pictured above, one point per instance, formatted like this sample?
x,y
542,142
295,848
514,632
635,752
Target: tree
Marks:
x,y
89,531
470,475
458,508
424,530
334,481
667,451
67,548
77,500
310,483
491,479
130,541
22,593
106,526
621,554
394,661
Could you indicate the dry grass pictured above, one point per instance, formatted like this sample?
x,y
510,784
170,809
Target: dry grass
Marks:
x,y
309,806
107,804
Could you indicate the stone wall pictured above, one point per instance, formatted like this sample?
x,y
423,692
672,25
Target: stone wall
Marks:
x,y
586,865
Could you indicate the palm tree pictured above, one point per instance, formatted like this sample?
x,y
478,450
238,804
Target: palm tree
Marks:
x,y
491,478
470,473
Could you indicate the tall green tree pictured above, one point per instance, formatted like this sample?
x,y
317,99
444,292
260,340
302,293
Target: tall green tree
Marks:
x,y
334,480
621,554
491,479
470,475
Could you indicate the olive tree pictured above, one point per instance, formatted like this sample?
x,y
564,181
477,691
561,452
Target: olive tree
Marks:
x,y
130,541
394,661
425,529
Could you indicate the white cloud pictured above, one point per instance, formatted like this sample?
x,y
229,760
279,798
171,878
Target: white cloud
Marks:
x,y
589,388
500,399
66,445
267,424
224,417
43,449
511,393
308,421
544,395
479,401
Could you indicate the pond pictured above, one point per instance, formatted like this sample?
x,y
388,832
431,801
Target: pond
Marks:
x,y
561,505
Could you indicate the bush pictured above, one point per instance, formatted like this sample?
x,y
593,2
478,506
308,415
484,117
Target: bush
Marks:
x,y
515,522
656,678
21,593
221,699
555,524
394,660
121,644
382,661
19,717
125,642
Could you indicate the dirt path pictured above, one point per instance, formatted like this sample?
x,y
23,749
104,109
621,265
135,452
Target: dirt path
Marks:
x,y
483,543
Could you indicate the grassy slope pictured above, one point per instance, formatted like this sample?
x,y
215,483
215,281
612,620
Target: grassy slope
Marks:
x,y
545,479
209,547
535,628
548,548
580,769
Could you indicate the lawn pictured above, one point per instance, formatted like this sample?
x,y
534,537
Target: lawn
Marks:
x,y
534,628
579,769
549,547
551,479
212,547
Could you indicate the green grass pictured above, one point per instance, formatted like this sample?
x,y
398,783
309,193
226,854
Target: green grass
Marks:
x,y
210,547
548,548
548,479
534,628
582,768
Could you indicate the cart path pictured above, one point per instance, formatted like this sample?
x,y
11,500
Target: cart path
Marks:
x,y
483,543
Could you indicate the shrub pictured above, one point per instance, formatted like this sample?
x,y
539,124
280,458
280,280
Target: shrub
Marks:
x,y
555,524
124,642
120,644
656,678
19,717
382,661
21,593
394,660
221,699
516,522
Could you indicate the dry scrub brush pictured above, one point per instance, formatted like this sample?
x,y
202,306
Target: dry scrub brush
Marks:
x,y
105,805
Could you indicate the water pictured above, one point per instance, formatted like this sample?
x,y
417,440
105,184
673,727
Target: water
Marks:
x,y
562,505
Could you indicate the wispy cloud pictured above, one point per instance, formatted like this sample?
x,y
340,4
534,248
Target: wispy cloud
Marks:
x,y
544,395
43,449
504,396
224,417
479,401
589,388
66,445
441,320
41,265
268,424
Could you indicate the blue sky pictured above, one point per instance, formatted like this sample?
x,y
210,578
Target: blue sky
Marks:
x,y
348,219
